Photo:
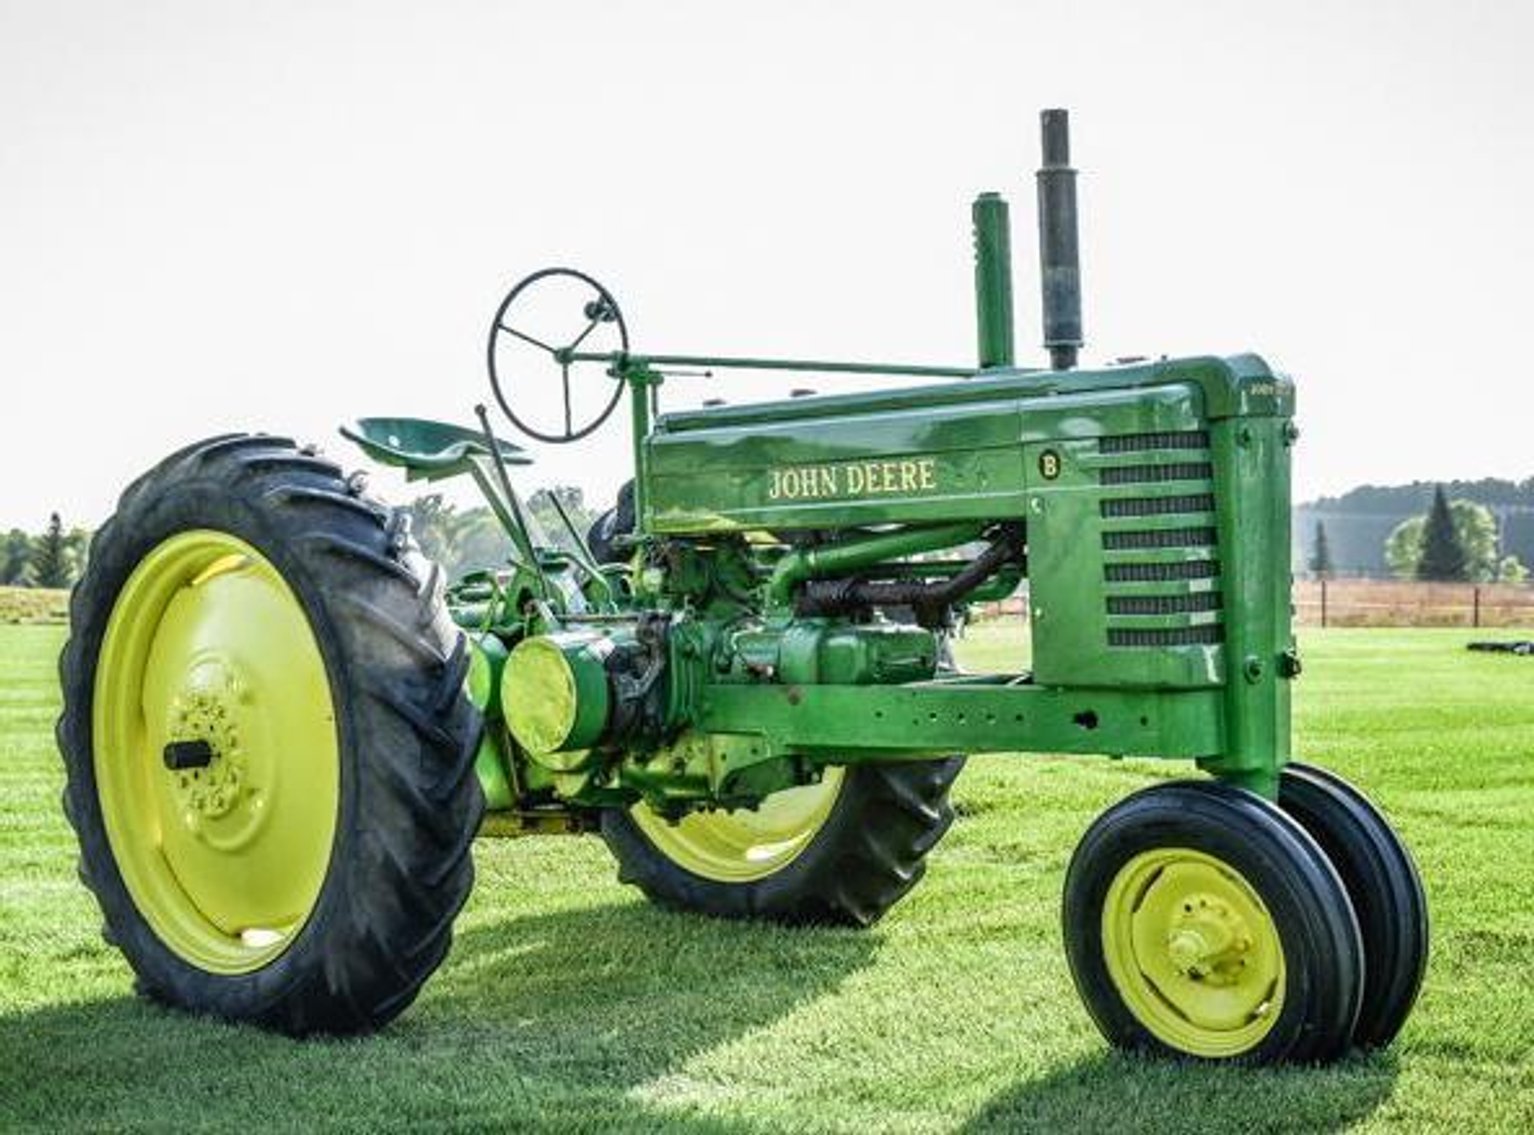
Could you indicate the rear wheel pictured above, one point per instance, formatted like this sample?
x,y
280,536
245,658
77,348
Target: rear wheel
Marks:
x,y
267,745
1385,888
841,851
1201,921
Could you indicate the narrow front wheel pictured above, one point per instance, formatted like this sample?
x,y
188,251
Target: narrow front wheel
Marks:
x,y
1200,921
1385,888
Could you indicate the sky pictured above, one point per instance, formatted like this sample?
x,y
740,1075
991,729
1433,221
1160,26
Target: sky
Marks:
x,y
281,216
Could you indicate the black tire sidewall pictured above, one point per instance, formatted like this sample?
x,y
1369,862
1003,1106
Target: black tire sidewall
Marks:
x,y
1385,888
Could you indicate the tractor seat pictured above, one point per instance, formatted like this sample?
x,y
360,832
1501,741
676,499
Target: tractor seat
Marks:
x,y
426,449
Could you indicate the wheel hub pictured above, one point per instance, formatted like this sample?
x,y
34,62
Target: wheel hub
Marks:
x,y
206,709
1207,940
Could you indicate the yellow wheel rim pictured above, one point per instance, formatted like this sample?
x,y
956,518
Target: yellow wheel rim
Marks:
x,y
744,846
1193,952
207,645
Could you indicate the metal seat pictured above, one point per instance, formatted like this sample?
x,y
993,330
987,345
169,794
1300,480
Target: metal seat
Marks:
x,y
426,449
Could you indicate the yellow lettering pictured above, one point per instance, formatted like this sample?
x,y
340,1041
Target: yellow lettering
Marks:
x,y
857,479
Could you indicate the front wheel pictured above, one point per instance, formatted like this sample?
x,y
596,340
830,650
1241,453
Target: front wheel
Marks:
x,y
267,745
1385,888
841,851
1200,921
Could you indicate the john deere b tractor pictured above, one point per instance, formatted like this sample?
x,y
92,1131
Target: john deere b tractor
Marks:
x,y
284,727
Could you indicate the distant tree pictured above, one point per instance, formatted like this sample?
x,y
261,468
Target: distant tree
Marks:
x,y
1320,554
480,542
1476,529
1511,570
50,556
1403,547
15,559
1443,554
434,523
570,497
473,538
77,550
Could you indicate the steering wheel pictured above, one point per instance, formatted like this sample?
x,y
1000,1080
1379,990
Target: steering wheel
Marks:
x,y
532,325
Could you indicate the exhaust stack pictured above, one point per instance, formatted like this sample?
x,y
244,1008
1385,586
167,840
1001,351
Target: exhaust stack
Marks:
x,y
1059,257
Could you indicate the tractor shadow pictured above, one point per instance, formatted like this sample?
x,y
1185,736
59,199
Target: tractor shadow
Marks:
x,y
1121,1093
550,1020
621,994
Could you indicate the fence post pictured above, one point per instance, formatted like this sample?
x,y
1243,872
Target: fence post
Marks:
x,y
1475,607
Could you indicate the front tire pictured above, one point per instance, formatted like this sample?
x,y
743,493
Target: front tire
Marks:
x,y
267,745
839,852
1385,888
1200,921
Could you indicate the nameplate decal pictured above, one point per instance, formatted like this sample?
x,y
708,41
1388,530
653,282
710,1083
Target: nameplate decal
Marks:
x,y
907,475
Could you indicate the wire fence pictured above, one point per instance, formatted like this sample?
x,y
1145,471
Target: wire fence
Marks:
x,y
1380,603
1400,603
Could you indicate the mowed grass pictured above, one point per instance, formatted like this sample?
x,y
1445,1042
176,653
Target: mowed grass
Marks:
x,y
568,1003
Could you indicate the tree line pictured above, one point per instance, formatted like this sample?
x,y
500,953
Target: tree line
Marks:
x,y
1454,541
1359,521
464,539
460,540
53,557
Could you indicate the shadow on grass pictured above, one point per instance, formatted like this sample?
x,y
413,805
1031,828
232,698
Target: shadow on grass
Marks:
x,y
1115,1092
548,1020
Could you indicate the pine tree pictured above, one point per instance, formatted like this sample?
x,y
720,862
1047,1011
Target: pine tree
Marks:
x,y
15,554
1321,554
1443,553
50,556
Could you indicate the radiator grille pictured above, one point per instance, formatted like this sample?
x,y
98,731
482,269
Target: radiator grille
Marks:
x,y
1160,543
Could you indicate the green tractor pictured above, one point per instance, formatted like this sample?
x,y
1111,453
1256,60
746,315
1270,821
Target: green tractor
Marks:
x,y
284,728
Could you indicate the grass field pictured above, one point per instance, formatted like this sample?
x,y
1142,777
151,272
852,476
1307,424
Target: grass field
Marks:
x,y
567,1003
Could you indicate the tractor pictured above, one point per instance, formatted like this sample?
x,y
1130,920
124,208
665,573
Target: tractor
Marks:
x,y
283,727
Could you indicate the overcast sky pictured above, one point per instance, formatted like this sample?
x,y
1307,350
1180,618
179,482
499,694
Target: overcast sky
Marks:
x,y
221,216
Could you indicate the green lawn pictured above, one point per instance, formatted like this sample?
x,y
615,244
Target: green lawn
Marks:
x,y
568,1003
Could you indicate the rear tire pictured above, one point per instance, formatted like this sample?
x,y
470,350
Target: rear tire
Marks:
x,y
180,859
866,849
1385,888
